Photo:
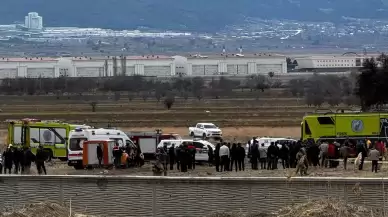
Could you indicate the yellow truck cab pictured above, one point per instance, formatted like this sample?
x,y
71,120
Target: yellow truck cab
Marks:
x,y
342,125
51,134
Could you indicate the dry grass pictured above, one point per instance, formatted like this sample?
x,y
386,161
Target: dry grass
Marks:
x,y
270,111
240,133
42,210
315,208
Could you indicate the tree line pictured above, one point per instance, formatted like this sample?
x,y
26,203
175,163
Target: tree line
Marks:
x,y
137,85
366,88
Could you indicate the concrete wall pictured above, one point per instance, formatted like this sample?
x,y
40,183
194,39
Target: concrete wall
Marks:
x,y
162,196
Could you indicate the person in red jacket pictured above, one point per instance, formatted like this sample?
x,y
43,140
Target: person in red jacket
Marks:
x,y
331,153
381,148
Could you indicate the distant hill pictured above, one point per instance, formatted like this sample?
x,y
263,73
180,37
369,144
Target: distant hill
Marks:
x,y
197,15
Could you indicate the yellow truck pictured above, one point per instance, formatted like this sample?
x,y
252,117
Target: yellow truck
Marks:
x,y
51,134
342,125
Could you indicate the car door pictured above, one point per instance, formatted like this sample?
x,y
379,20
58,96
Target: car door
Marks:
x,y
202,151
198,130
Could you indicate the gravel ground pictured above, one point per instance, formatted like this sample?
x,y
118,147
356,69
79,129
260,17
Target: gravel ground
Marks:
x,y
61,168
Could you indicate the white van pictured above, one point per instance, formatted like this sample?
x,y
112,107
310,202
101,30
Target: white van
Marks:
x,y
200,145
78,136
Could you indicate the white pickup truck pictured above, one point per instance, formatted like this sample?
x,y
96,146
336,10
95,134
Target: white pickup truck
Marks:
x,y
205,130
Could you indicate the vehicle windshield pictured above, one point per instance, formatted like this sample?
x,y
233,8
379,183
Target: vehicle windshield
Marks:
x,y
76,144
177,137
210,126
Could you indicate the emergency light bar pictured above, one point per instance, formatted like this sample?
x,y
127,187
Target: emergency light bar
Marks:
x,y
78,130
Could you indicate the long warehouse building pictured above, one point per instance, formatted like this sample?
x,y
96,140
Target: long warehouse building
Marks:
x,y
152,65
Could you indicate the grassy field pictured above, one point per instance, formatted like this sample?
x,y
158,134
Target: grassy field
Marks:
x,y
274,113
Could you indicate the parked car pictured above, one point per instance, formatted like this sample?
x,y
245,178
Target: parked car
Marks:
x,y
205,130
200,145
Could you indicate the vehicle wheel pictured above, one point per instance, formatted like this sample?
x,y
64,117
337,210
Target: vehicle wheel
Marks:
x,y
204,136
78,167
192,134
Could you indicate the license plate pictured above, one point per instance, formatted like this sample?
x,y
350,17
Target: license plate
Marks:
x,y
73,161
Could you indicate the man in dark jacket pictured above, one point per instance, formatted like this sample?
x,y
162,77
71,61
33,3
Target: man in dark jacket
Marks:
x,y
29,157
99,155
233,157
171,156
254,150
284,155
178,156
184,157
192,151
210,154
271,154
217,157
40,158
16,159
240,157
8,159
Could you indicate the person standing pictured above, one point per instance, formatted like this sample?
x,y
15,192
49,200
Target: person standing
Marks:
x,y
228,163
171,156
224,155
40,158
8,159
271,153
374,155
192,152
116,155
99,155
217,157
361,148
240,157
16,160
210,155
344,152
323,150
184,157
263,156
233,154
29,157
254,155
178,154
284,155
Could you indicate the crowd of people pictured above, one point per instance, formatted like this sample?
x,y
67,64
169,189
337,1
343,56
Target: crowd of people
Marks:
x,y
18,160
183,157
127,156
299,155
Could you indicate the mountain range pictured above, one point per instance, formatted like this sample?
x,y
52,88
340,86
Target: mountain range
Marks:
x,y
185,15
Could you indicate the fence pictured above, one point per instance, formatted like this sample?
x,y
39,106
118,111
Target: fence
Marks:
x,y
184,196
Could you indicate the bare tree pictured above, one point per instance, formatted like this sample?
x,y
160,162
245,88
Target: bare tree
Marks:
x,y
94,106
117,96
185,95
130,96
145,95
169,101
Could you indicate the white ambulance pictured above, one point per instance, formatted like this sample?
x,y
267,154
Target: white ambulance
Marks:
x,y
78,136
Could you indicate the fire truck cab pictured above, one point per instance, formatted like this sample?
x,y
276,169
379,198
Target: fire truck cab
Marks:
x,y
51,134
148,141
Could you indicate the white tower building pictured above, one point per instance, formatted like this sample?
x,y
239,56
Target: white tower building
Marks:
x,y
33,21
